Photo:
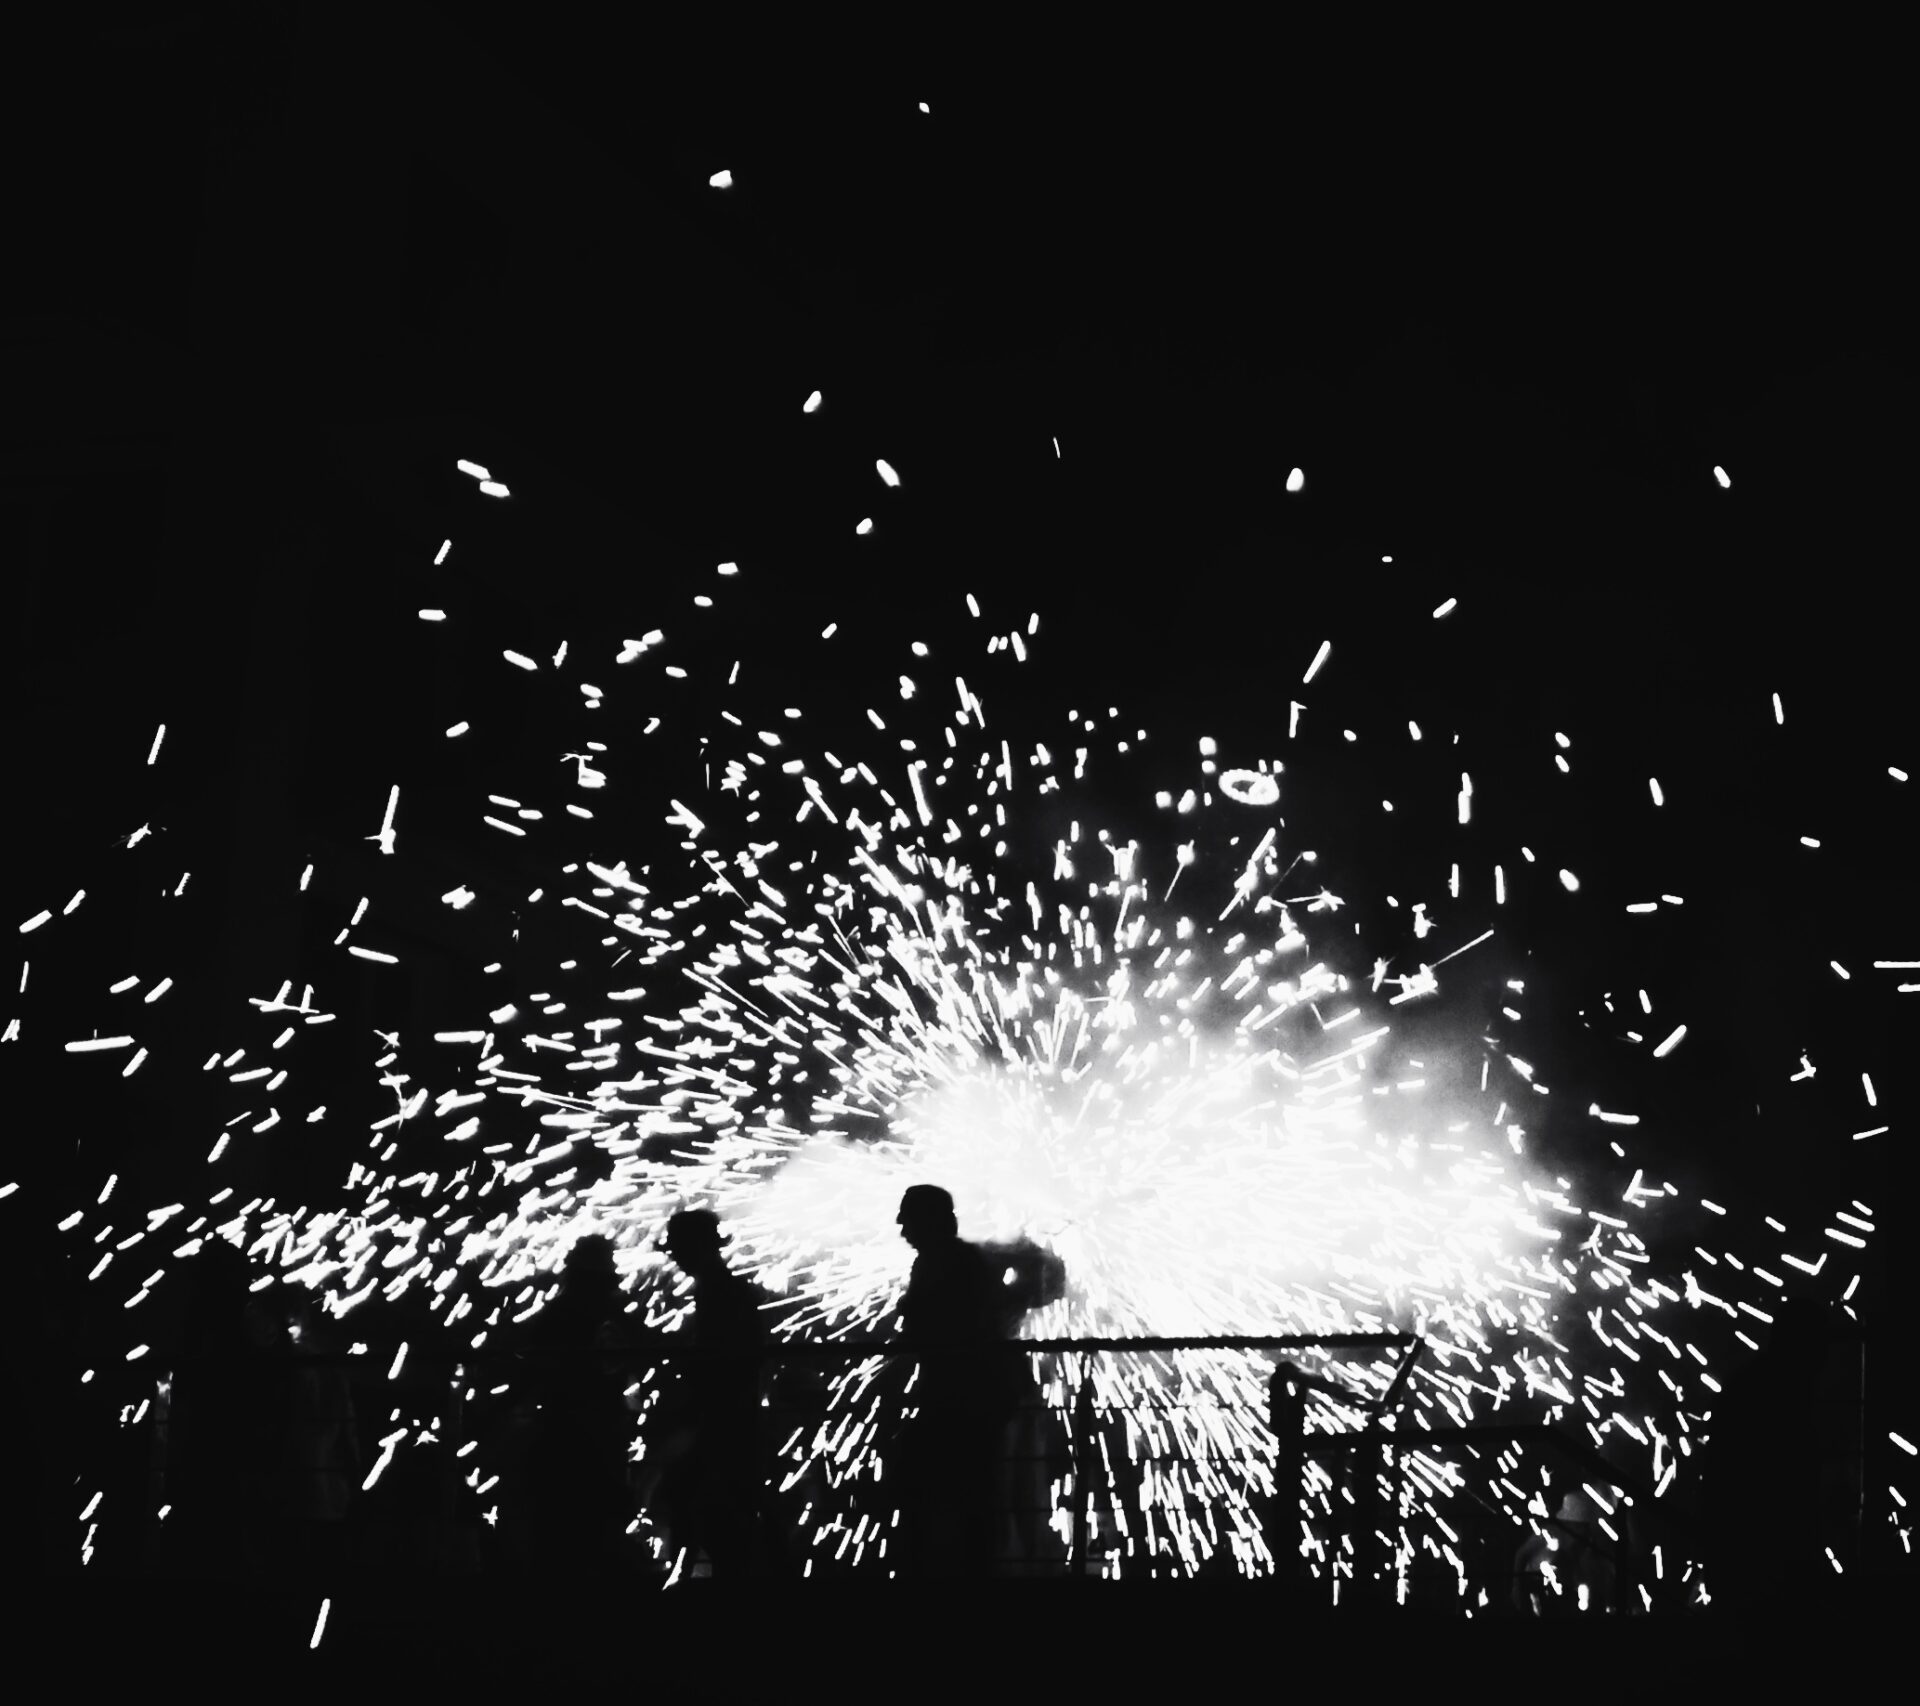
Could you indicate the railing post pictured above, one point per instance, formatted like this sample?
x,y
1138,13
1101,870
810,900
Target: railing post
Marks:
x,y
1287,1416
1084,1447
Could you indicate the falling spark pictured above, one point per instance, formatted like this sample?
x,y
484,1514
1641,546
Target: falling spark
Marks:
x,y
385,837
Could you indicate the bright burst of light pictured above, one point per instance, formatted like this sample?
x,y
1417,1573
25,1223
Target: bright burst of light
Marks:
x,y
862,973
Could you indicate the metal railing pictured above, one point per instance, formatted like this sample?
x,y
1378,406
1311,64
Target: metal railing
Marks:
x,y
437,1377
434,1379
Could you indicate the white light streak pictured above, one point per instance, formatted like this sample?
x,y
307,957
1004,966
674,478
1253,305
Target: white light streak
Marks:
x,y
385,837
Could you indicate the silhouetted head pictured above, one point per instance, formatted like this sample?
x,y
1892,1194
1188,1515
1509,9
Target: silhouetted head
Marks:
x,y
926,1217
589,1270
693,1240
217,1297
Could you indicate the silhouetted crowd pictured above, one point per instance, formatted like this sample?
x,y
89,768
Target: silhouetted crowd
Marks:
x,y
282,1439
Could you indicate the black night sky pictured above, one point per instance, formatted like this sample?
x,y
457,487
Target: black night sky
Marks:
x,y
276,267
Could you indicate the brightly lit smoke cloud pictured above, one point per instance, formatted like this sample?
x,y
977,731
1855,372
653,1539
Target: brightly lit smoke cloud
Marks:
x,y
1160,1063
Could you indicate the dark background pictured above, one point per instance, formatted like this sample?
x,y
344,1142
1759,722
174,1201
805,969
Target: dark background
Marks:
x,y
1507,302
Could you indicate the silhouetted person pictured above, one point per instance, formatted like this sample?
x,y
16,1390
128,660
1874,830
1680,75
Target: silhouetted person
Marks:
x,y
322,1467
1572,1567
39,1419
712,1435
570,1508
946,1464
226,1421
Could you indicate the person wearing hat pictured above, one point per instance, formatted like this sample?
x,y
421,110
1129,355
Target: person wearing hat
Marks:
x,y
711,1434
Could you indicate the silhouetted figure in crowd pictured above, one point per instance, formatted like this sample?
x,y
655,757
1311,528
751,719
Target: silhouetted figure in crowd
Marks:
x,y
1781,1476
570,1507
226,1423
39,1418
711,1435
945,1463
1572,1567
322,1466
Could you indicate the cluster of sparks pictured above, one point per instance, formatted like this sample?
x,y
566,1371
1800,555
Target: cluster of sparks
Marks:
x,y
1158,1063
